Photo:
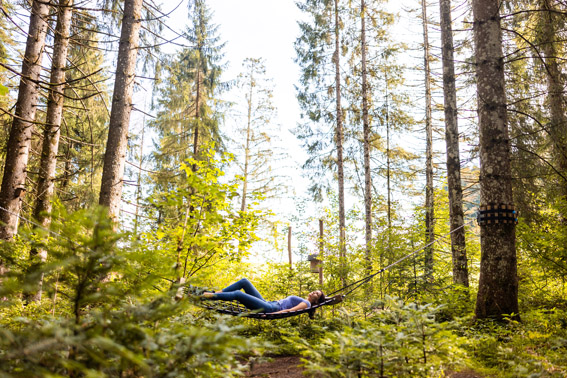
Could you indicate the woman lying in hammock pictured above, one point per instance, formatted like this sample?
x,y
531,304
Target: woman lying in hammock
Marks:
x,y
253,300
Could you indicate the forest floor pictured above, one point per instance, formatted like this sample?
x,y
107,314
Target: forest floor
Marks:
x,y
288,367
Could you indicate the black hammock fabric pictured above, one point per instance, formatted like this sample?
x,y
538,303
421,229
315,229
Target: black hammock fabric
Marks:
x,y
235,308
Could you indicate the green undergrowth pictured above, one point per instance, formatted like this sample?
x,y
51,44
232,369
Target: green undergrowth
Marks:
x,y
103,315
106,311
404,339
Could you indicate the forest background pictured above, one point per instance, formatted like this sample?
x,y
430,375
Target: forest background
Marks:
x,y
143,158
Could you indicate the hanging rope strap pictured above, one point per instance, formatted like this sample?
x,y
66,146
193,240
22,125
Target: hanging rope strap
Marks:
x,y
366,279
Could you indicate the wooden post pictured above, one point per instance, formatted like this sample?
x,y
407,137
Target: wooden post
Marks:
x,y
289,246
321,248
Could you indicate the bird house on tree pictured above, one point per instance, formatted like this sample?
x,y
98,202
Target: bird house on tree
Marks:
x,y
315,263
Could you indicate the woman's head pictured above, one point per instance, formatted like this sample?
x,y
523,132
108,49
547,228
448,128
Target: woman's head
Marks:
x,y
316,297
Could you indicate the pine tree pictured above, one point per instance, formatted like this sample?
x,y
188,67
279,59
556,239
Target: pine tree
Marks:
x,y
366,141
205,70
549,21
322,86
314,48
339,140
83,133
429,186
115,156
458,247
257,151
52,129
187,117
498,282
15,169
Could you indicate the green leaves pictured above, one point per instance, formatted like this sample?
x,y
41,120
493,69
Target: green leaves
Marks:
x,y
102,316
207,227
3,90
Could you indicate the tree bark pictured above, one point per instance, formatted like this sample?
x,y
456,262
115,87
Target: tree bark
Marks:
x,y
139,180
498,282
555,96
458,246
197,115
115,155
339,141
17,154
48,161
248,137
429,192
366,143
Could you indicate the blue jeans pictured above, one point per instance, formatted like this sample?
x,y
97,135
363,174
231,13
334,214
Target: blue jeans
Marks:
x,y
250,298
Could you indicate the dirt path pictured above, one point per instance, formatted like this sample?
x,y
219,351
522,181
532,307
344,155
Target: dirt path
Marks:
x,y
279,367
288,367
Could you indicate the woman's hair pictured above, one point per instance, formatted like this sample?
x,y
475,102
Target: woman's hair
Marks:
x,y
321,298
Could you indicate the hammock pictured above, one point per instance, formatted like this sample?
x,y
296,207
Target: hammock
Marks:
x,y
234,308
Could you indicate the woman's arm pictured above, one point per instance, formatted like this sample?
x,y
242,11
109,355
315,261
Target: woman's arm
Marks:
x,y
300,306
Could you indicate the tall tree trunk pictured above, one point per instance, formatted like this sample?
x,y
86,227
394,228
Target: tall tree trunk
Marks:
x,y
555,96
139,180
248,136
115,155
498,282
429,192
197,115
17,154
339,141
366,143
388,161
458,246
383,276
48,161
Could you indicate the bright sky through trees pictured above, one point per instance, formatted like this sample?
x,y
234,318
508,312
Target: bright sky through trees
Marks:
x,y
266,29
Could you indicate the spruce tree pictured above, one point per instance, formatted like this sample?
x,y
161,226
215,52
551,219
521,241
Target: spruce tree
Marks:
x,y
429,185
257,134
455,191
319,52
188,96
498,282
14,183
115,156
52,128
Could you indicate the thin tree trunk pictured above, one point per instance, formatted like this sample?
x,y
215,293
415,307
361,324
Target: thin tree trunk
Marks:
x,y
458,246
289,247
247,147
429,192
383,276
366,132
498,282
139,181
115,155
388,163
339,142
48,162
197,115
321,251
555,96
17,154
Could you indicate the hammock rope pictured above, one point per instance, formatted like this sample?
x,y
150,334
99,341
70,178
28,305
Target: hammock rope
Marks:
x,y
366,279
